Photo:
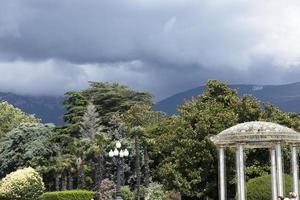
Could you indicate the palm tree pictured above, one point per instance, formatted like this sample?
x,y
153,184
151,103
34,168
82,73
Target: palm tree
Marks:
x,y
136,133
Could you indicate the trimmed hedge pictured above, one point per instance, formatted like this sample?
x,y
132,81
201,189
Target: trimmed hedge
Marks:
x,y
81,195
69,195
260,188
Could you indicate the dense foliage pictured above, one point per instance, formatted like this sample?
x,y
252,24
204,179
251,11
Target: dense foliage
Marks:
x,y
93,123
28,145
187,159
126,193
23,184
167,153
106,190
155,191
108,99
11,117
260,188
112,98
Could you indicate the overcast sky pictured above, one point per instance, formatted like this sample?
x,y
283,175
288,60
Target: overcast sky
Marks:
x,y
161,46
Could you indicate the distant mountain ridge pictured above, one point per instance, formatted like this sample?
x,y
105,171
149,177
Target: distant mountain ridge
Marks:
x,y
50,109
287,96
47,108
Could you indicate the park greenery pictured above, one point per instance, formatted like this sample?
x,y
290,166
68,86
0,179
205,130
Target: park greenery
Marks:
x,y
171,157
259,188
23,184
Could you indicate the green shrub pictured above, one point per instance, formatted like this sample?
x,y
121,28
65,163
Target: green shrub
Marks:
x,y
23,184
170,195
154,192
82,195
260,188
69,195
126,193
106,190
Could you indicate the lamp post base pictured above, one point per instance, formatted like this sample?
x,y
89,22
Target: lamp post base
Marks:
x,y
119,198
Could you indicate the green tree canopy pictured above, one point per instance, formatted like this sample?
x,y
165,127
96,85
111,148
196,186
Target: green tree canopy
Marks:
x,y
28,145
109,99
91,124
76,104
11,117
185,157
112,98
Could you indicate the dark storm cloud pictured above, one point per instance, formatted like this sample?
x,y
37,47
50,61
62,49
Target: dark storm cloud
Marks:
x,y
162,46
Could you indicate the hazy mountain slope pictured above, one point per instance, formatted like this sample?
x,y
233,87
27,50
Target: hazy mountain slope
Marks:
x,y
49,109
287,97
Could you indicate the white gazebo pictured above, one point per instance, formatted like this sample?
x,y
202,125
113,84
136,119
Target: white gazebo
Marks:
x,y
258,134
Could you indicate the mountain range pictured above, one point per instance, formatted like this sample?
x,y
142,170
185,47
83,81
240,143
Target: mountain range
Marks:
x,y
50,109
47,108
287,96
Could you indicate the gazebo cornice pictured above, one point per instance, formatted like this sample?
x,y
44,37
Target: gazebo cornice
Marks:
x,y
257,134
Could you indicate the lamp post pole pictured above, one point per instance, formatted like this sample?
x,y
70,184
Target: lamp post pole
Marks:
x,y
117,155
118,186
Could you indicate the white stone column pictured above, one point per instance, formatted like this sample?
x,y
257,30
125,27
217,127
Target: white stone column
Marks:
x,y
240,173
279,169
295,170
238,177
273,174
222,174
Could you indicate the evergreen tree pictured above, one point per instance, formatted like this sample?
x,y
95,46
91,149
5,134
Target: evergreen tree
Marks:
x,y
90,129
140,120
90,123
75,105
114,98
29,145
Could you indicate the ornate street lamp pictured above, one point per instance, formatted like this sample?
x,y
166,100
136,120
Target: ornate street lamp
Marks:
x,y
117,155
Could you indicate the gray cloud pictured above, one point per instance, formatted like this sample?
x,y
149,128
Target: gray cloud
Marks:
x,y
48,47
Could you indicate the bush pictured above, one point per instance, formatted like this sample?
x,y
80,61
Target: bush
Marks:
x,y
154,192
23,184
82,195
106,190
69,195
126,193
260,188
170,195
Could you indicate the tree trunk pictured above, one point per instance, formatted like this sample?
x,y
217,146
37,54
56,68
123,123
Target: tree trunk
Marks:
x,y
97,173
81,174
96,179
99,170
57,182
64,181
70,181
137,168
147,168
102,167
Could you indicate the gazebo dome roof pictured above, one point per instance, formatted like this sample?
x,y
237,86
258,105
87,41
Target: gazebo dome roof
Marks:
x,y
256,134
